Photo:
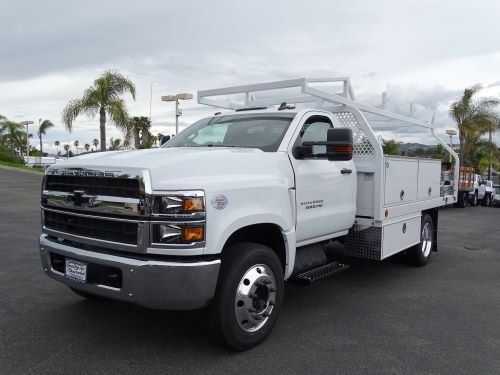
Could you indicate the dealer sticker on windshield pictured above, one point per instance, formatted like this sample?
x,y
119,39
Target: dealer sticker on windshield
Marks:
x,y
219,202
76,270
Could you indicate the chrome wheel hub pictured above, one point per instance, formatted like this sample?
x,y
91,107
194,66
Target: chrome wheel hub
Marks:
x,y
255,298
426,239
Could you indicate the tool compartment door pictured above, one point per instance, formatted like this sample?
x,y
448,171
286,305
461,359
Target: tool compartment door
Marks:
x,y
401,176
429,178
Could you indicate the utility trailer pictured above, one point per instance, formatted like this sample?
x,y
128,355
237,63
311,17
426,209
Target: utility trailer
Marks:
x,y
240,202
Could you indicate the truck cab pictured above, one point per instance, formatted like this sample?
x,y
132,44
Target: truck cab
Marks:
x,y
478,192
237,204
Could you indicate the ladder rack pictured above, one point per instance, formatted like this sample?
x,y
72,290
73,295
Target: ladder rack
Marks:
x,y
307,94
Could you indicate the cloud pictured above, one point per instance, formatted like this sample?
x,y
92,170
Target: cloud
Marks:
x,y
58,48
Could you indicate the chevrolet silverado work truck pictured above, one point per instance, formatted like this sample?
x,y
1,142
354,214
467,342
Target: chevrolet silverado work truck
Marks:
x,y
241,202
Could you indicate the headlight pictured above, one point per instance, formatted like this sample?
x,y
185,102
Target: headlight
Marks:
x,y
171,233
180,204
179,218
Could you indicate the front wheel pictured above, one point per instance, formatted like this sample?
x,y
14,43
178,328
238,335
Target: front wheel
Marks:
x,y
475,200
420,254
249,295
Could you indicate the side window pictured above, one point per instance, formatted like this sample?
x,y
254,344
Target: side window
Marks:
x,y
314,130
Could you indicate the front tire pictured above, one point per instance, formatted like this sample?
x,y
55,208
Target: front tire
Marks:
x,y
249,295
420,254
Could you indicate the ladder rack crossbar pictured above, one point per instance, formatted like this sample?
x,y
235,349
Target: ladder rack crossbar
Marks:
x,y
308,94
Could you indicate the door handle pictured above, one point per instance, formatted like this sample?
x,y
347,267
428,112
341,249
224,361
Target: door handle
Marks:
x,y
346,171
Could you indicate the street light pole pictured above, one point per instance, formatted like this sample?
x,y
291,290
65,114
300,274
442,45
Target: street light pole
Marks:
x,y
27,123
178,111
451,133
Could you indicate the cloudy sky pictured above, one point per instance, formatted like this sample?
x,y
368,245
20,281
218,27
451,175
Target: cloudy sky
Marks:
x,y
423,52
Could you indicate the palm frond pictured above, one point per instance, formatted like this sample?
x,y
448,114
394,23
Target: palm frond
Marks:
x,y
117,110
44,126
117,84
71,112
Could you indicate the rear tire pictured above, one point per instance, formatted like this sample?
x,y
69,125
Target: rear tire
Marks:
x,y
474,200
249,295
420,254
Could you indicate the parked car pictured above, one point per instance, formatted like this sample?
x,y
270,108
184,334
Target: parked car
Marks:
x,y
489,193
496,196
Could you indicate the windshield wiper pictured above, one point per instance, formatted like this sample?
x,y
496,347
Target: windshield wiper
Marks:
x,y
212,145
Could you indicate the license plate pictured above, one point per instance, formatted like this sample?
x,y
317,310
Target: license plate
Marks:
x,y
76,270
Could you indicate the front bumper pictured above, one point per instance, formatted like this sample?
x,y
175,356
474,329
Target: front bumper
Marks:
x,y
180,285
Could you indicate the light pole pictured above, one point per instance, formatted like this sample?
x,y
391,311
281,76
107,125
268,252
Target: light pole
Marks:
x,y
451,133
27,123
178,111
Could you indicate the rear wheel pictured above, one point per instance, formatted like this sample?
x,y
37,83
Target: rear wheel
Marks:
x,y
249,295
420,254
474,200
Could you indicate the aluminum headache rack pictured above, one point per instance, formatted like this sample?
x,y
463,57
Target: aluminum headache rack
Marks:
x,y
362,119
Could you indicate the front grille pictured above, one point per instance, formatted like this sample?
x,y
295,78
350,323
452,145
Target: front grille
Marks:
x,y
117,187
108,230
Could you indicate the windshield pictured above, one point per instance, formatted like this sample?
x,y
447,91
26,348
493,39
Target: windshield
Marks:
x,y
262,131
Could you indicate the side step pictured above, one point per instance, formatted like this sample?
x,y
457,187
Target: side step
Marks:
x,y
326,270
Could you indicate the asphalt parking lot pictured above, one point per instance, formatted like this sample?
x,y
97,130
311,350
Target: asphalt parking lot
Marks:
x,y
378,317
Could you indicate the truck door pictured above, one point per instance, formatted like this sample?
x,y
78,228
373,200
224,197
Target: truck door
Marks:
x,y
325,190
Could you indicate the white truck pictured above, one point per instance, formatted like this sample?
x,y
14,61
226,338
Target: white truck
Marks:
x,y
239,203
478,192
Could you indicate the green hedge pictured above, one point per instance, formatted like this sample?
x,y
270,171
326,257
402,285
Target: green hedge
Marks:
x,y
8,156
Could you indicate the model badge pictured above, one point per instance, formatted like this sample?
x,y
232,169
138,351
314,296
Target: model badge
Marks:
x,y
219,202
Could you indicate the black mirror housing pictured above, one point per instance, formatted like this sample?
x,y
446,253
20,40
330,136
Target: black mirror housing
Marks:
x,y
339,144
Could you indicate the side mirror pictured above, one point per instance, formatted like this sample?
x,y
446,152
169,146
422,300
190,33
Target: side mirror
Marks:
x,y
339,144
301,151
164,139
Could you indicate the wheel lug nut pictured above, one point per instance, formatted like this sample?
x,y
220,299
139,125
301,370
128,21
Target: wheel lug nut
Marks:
x,y
257,317
251,309
267,281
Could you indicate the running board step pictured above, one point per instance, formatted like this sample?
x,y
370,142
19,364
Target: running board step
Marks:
x,y
326,270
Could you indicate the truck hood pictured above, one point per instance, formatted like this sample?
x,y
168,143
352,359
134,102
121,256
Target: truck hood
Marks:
x,y
192,168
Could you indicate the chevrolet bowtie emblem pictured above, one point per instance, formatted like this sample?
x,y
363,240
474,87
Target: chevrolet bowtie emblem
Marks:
x,y
79,198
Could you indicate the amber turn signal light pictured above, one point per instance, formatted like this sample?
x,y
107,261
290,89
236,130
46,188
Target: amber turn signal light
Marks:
x,y
192,234
192,204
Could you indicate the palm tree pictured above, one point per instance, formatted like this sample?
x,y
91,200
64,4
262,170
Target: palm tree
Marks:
x,y
76,144
43,126
138,129
66,148
57,143
87,147
474,118
103,97
114,144
13,135
95,143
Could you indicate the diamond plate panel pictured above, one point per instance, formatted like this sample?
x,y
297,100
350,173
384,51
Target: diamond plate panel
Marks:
x,y
364,241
